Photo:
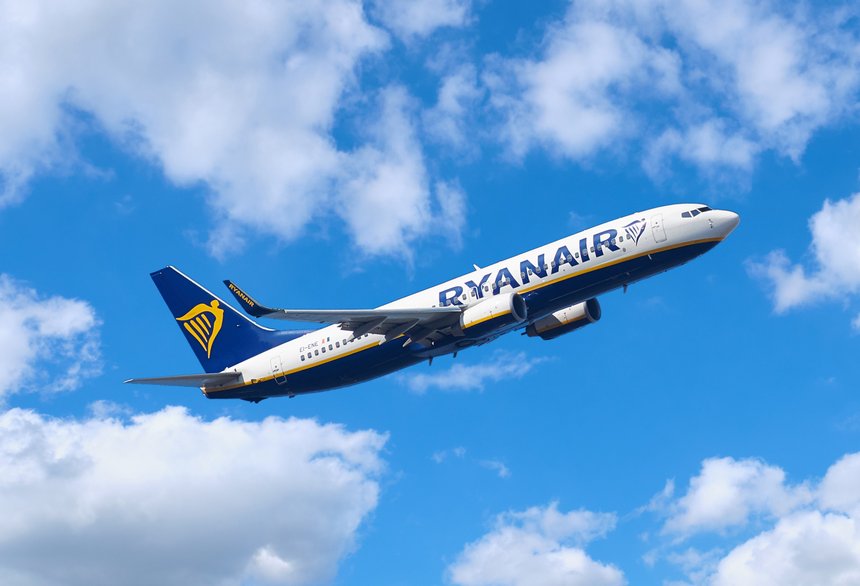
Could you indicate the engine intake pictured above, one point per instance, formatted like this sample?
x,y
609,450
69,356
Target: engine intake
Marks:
x,y
565,320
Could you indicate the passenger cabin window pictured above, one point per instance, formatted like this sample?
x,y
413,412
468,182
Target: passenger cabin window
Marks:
x,y
303,357
323,349
309,355
337,344
330,347
316,352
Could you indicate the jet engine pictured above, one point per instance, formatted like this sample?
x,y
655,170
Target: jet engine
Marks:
x,y
503,309
565,320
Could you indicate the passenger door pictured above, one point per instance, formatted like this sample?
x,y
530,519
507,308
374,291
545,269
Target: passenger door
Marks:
x,y
278,370
657,228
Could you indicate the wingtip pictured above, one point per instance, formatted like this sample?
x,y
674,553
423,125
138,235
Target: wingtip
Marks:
x,y
248,303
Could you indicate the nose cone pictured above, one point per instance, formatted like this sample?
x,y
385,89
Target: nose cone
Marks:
x,y
725,222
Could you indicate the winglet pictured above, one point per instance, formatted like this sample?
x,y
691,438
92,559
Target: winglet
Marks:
x,y
248,303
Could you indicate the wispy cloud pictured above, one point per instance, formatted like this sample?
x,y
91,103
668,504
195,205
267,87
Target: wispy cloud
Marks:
x,y
474,377
50,343
442,455
496,466
835,267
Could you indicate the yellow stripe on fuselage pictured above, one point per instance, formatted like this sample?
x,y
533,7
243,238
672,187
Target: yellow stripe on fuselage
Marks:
x,y
612,263
295,370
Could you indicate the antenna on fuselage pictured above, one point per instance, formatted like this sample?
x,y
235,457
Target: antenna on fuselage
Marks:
x,y
477,268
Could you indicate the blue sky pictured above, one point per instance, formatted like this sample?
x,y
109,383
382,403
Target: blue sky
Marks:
x,y
339,154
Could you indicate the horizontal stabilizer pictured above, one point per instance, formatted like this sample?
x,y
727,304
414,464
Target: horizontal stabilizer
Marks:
x,y
213,379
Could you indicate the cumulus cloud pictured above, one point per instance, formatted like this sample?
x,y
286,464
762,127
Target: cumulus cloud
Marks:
x,y
37,333
540,546
474,377
168,498
835,260
411,19
805,548
811,534
238,99
728,492
713,82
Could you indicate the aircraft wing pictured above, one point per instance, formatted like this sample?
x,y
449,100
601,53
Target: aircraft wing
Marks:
x,y
389,321
212,379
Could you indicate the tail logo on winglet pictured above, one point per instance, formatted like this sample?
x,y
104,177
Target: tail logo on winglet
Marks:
x,y
203,322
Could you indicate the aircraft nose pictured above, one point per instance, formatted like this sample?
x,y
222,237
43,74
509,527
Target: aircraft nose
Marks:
x,y
725,221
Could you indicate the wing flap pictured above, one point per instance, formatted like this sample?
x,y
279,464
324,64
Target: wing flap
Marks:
x,y
214,379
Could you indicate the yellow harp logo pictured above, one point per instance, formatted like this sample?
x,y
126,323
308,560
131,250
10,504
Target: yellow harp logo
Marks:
x,y
203,322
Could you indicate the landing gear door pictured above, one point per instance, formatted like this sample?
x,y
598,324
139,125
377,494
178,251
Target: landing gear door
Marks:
x,y
657,228
278,371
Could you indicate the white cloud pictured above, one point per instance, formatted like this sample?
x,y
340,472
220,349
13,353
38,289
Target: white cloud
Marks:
x,y
838,490
568,100
442,455
474,377
706,145
410,19
239,99
37,332
388,179
835,253
540,546
728,492
787,73
171,499
447,122
716,82
496,466
812,533
804,548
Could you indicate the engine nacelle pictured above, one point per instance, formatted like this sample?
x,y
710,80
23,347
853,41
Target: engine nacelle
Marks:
x,y
501,309
565,320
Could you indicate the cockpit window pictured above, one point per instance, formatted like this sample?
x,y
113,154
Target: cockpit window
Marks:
x,y
696,212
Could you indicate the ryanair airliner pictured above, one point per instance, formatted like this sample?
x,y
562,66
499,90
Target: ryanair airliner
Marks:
x,y
546,292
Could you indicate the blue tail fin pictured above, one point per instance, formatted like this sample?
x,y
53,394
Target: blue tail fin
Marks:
x,y
219,335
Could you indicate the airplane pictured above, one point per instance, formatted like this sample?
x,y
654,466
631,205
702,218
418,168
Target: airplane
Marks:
x,y
546,292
